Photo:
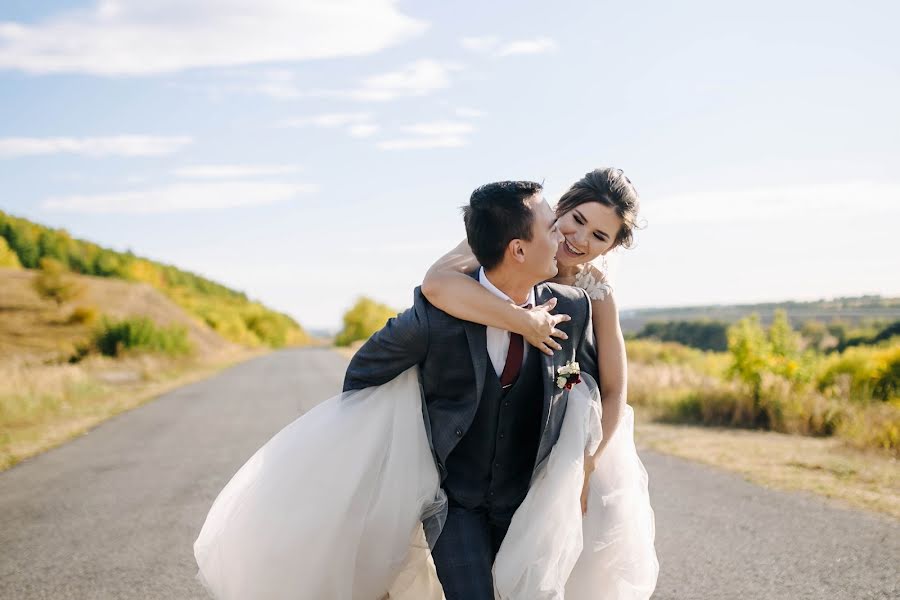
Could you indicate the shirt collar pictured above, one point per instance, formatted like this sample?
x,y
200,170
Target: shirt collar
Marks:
x,y
484,281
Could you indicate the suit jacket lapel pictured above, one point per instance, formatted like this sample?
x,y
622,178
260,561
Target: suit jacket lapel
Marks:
x,y
548,371
476,334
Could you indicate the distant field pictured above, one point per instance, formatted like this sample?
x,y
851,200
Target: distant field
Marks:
x,y
852,310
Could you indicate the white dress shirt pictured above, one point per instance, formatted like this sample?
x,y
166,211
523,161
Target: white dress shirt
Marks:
x,y
498,339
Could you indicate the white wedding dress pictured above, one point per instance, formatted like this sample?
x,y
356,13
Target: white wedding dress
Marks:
x,y
331,508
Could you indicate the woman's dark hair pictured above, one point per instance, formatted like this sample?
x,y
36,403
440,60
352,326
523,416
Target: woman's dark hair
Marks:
x,y
498,213
609,187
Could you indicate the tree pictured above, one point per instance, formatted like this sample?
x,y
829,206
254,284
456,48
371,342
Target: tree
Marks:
x,y
8,258
53,283
362,320
749,350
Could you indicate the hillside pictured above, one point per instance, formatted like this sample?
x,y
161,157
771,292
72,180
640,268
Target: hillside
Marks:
x,y
35,329
852,310
229,312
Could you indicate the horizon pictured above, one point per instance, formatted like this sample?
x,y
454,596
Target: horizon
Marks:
x,y
622,310
312,158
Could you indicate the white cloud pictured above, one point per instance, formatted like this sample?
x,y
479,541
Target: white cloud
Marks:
x,y
276,83
120,145
798,203
135,37
469,113
436,134
440,128
419,78
483,44
181,197
233,171
329,120
422,143
538,45
357,124
365,130
491,45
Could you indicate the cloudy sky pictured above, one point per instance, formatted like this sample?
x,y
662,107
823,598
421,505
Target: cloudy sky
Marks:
x,y
311,151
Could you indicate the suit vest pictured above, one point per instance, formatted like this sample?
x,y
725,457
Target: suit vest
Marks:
x,y
493,462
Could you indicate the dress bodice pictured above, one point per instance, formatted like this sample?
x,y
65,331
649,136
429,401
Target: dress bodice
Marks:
x,y
596,289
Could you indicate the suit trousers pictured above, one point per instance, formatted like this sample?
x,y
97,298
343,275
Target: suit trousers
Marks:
x,y
464,552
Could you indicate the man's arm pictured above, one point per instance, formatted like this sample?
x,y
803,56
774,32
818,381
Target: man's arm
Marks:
x,y
400,344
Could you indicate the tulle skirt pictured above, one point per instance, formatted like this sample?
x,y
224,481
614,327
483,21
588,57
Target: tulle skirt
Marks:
x,y
331,508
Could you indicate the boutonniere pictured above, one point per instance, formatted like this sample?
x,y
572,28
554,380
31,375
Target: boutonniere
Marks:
x,y
568,375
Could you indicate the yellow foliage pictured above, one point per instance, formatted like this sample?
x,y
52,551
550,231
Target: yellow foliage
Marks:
x,y
8,258
362,320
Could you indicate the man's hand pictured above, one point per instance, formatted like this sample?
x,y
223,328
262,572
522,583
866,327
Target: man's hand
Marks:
x,y
589,466
540,327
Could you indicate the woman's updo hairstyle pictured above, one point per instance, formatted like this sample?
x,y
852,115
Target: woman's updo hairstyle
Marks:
x,y
609,187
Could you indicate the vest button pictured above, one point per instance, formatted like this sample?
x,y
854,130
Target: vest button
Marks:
x,y
502,435
506,403
458,433
496,465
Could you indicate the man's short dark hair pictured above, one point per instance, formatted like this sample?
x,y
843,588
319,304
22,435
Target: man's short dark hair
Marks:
x,y
497,214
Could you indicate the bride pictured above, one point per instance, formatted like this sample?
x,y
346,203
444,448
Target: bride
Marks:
x,y
333,505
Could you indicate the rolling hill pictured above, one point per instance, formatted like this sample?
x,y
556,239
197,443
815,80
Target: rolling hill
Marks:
x,y
853,310
230,313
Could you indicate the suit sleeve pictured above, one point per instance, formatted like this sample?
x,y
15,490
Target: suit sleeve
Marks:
x,y
400,344
586,354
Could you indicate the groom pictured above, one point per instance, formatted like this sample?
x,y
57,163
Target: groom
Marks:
x,y
493,409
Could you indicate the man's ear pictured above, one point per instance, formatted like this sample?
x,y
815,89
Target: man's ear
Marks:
x,y
516,250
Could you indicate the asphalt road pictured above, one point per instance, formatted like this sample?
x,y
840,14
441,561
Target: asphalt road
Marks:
x,y
114,513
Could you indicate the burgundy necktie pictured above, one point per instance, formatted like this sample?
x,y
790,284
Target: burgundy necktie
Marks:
x,y
513,358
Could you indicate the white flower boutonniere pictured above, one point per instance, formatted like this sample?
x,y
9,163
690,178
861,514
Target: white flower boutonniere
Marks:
x,y
568,375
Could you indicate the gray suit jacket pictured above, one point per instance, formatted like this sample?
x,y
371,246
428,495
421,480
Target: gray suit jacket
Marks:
x,y
452,358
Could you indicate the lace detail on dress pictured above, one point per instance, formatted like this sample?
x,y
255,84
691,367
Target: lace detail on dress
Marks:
x,y
596,290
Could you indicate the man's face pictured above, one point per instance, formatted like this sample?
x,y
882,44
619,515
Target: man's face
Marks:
x,y
540,252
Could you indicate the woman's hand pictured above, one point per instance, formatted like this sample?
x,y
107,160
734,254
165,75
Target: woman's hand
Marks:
x,y
539,327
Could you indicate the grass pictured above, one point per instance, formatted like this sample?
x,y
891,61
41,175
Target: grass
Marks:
x,y
791,437
44,405
856,478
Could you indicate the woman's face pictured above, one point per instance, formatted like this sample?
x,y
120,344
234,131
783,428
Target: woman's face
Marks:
x,y
589,230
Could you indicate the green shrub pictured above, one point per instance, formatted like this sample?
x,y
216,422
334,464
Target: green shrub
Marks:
x,y
862,373
140,334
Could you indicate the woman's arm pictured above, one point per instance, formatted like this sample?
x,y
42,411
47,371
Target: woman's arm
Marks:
x,y
447,287
612,364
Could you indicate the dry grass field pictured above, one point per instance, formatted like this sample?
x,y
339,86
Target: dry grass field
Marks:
x,y
33,329
45,400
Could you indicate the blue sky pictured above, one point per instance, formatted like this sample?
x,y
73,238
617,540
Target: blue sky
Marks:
x,y
309,152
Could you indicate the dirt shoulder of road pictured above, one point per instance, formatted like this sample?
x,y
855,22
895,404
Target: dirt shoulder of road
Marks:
x,y
826,466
